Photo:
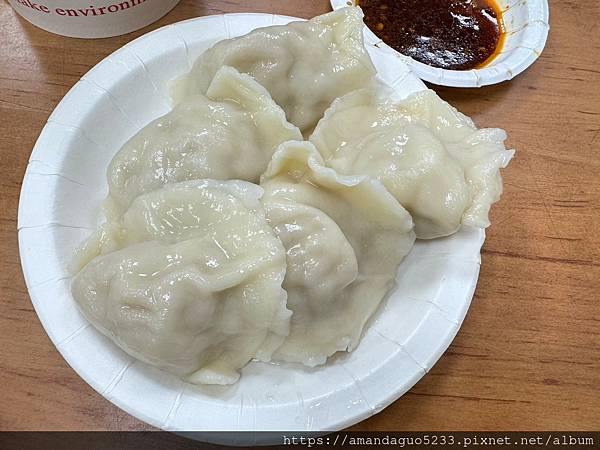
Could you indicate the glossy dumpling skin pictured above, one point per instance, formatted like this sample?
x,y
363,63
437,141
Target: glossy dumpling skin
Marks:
x,y
432,158
189,280
229,133
304,65
345,238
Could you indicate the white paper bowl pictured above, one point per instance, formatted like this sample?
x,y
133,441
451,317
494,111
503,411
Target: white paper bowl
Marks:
x,y
527,26
62,190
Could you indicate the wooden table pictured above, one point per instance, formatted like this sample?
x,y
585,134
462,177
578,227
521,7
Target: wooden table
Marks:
x,y
528,354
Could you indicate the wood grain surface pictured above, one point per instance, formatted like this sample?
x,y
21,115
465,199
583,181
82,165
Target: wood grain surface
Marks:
x,y
528,354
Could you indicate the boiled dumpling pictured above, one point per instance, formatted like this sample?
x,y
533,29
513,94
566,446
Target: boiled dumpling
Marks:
x,y
188,280
304,65
432,158
231,133
480,152
344,237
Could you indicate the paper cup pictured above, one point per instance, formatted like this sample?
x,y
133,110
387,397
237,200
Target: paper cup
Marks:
x,y
92,19
526,23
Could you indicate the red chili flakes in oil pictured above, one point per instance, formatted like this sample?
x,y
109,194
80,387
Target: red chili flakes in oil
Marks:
x,y
451,34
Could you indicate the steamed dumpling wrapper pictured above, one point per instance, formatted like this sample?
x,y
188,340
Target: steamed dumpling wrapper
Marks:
x,y
345,238
231,133
432,158
189,279
304,65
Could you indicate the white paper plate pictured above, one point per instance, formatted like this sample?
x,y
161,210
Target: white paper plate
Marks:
x,y
62,190
527,27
